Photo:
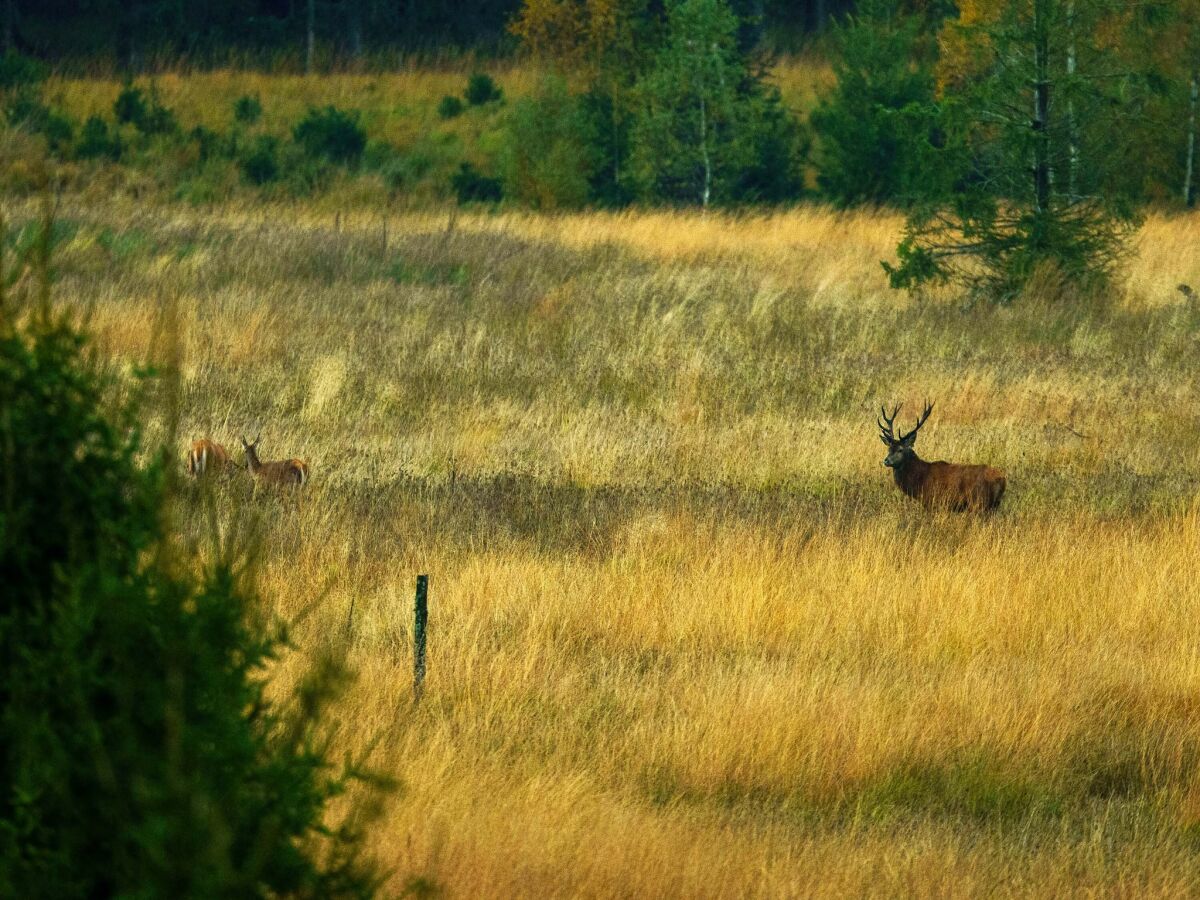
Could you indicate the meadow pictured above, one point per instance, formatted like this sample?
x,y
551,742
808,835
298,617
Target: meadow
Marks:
x,y
686,637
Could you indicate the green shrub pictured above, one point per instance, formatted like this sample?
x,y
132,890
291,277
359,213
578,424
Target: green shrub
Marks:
x,y
331,134
27,111
450,107
207,141
547,160
300,174
425,162
385,160
247,109
143,755
261,165
481,89
96,140
146,114
470,185
130,106
17,71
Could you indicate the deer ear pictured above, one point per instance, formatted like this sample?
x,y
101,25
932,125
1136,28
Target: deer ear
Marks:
x,y
909,440
886,442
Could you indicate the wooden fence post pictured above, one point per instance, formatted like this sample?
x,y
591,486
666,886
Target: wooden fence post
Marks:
x,y
420,617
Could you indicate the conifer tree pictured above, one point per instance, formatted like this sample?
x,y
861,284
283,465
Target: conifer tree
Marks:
x,y
1037,111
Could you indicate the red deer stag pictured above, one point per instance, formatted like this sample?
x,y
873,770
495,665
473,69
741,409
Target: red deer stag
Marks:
x,y
284,471
206,456
938,484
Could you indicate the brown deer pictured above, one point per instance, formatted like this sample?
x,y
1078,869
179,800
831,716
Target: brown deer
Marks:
x,y
283,472
940,485
206,455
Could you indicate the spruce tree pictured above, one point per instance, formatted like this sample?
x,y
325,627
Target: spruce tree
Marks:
x,y
1036,111
876,129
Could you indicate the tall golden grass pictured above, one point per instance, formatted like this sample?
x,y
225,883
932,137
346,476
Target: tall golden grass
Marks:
x,y
686,638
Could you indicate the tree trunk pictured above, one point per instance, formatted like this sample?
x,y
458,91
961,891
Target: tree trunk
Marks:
x,y
1189,188
615,123
312,37
1041,109
707,192
1072,133
412,21
126,24
354,27
10,25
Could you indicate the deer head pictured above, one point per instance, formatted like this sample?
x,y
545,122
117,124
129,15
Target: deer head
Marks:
x,y
251,449
900,449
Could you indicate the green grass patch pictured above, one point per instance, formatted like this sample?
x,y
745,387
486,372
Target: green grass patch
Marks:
x,y
403,271
979,788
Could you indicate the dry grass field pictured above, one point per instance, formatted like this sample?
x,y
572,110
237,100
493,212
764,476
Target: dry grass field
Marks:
x,y
686,637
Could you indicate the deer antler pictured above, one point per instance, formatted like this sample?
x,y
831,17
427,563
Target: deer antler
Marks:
x,y
885,427
920,421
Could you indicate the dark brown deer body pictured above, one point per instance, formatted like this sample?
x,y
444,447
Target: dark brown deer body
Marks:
x,y
939,485
281,472
206,456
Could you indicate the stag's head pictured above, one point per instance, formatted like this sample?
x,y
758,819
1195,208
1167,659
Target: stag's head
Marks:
x,y
900,449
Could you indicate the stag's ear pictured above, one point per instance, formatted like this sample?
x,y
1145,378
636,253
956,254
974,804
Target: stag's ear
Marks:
x,y
909,440
886,442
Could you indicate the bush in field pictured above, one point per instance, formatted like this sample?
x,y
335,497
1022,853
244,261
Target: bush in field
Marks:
x,y
146,114
142,756
261,165
19,72
547,157
208,142
481,89
331,134
97,140
450,107
26,111
130,105
472,186
247,109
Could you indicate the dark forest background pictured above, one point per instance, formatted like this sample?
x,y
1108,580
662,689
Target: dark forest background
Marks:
x,y
209,31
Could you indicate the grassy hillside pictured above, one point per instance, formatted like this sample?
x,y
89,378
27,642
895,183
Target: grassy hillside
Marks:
x,y
686,638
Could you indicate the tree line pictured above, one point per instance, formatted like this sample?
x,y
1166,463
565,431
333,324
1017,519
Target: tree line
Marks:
x,y
131,32
1022,137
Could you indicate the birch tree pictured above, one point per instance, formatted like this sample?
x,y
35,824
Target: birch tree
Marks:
x,y
708,129
602,47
